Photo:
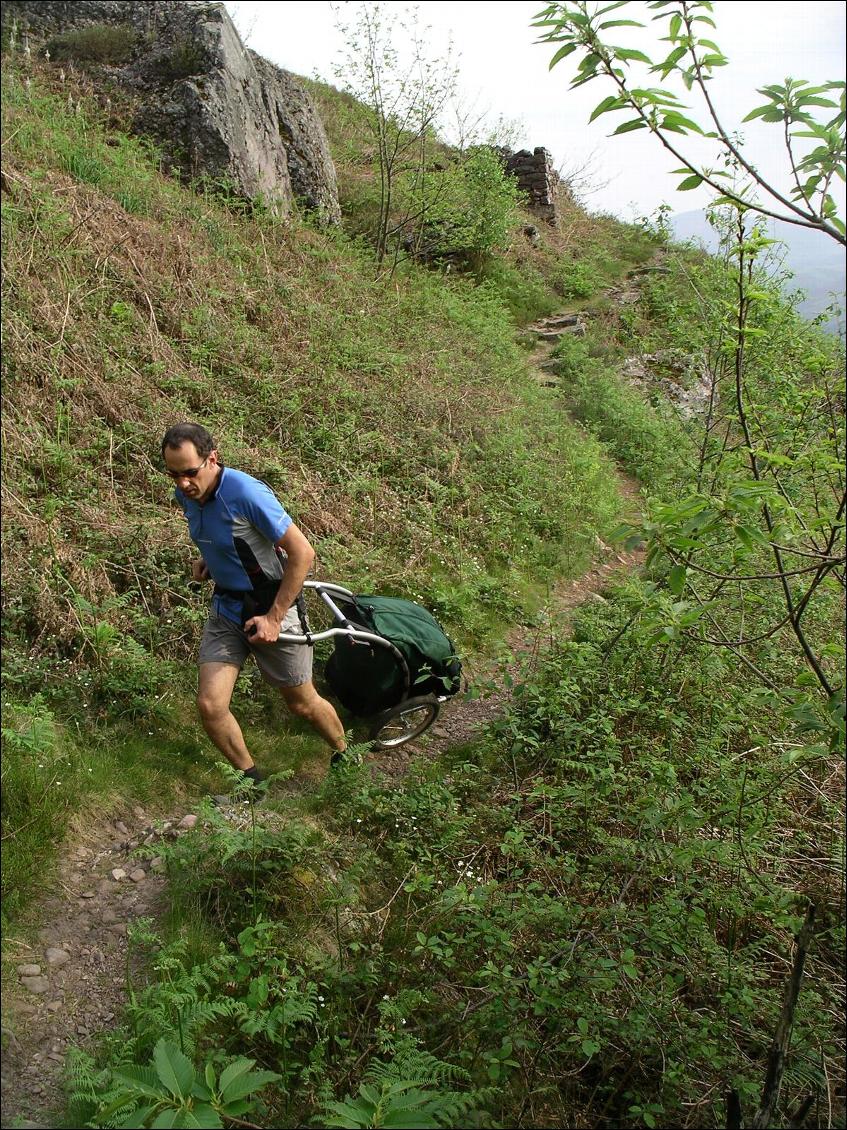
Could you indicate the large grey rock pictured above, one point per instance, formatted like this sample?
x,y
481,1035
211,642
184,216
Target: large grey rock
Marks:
x,y
215,109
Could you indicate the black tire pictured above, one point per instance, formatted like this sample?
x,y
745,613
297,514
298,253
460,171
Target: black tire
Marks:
x,y
403,722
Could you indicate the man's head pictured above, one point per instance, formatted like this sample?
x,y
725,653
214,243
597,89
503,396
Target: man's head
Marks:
x,y
191,460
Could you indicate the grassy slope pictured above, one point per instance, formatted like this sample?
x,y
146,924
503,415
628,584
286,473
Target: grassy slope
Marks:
x,y
398,422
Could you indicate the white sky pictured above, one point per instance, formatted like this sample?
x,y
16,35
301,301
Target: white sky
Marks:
x,y
505,72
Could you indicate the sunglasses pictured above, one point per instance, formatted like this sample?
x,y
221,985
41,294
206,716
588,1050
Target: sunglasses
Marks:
x,y
188,473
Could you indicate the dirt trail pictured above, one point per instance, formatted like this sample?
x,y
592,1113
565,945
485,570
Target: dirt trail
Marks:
x,y
68,984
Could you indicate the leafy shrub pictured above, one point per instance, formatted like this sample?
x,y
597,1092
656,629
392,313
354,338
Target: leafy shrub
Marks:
x,y
98,43
469,208
167,1092
577,279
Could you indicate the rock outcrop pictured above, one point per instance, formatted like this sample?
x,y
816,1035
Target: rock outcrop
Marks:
x,y
214,108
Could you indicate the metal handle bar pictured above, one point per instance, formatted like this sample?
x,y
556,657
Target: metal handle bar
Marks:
x,y
345,628
355,634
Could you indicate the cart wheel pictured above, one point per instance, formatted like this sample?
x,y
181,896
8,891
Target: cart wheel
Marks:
x,y
407,720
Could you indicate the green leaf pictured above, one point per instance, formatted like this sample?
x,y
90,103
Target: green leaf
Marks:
x,y
676,579
589,63
173,1068
620,23
234,1071
693,181
667,65
681,120
562,53
803,101
582,1025
203,1116
132,1121
247,1084
607,104
166,1120
630,55
627,127
611,8
236,1109
141,1079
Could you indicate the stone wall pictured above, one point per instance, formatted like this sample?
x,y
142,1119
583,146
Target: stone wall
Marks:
x,y
212,106
536,178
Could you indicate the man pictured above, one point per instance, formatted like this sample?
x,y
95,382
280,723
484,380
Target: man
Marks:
x,y
238,525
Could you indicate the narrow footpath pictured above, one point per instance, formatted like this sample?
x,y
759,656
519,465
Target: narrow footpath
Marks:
x,y
70,982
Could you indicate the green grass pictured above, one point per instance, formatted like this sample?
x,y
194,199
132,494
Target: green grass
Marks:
x,y
651,442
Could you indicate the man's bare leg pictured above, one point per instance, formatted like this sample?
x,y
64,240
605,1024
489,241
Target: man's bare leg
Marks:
x,y
305,702
217,682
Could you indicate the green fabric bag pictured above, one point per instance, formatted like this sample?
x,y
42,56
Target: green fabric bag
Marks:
x,y
368,678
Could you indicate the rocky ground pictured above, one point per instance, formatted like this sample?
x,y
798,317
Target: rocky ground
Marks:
x,y
70,984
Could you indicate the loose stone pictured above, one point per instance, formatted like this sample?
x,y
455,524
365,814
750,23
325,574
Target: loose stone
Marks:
x,y
29,970
138,875
35,984
187,821
118,873
56,956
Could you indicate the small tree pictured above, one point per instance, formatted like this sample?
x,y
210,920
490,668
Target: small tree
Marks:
x,y
402,96
795,105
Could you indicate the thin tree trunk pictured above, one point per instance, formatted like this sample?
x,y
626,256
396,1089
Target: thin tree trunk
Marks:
x,y
765,1115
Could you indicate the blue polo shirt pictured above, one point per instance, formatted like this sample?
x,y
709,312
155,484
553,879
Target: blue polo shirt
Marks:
x,y
236,530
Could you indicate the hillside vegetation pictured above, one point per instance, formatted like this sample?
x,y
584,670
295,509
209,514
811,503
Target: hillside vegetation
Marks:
x,y
585,918
399,423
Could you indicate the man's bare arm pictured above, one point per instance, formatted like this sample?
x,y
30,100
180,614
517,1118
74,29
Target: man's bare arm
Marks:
x,y
301,557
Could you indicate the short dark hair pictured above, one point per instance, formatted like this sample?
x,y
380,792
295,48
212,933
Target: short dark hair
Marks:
x,y
178,434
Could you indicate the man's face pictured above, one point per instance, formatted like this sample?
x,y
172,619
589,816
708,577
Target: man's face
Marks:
x,y
184,459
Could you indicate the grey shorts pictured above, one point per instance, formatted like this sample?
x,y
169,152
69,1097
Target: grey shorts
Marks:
x,y
282,664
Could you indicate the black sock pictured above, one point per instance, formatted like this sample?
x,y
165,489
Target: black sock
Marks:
x,y
252,774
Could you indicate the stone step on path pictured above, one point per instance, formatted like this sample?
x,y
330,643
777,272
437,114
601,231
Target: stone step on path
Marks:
x,y
556,326
577,330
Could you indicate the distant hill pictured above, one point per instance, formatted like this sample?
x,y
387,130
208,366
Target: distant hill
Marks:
x,y
815,261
